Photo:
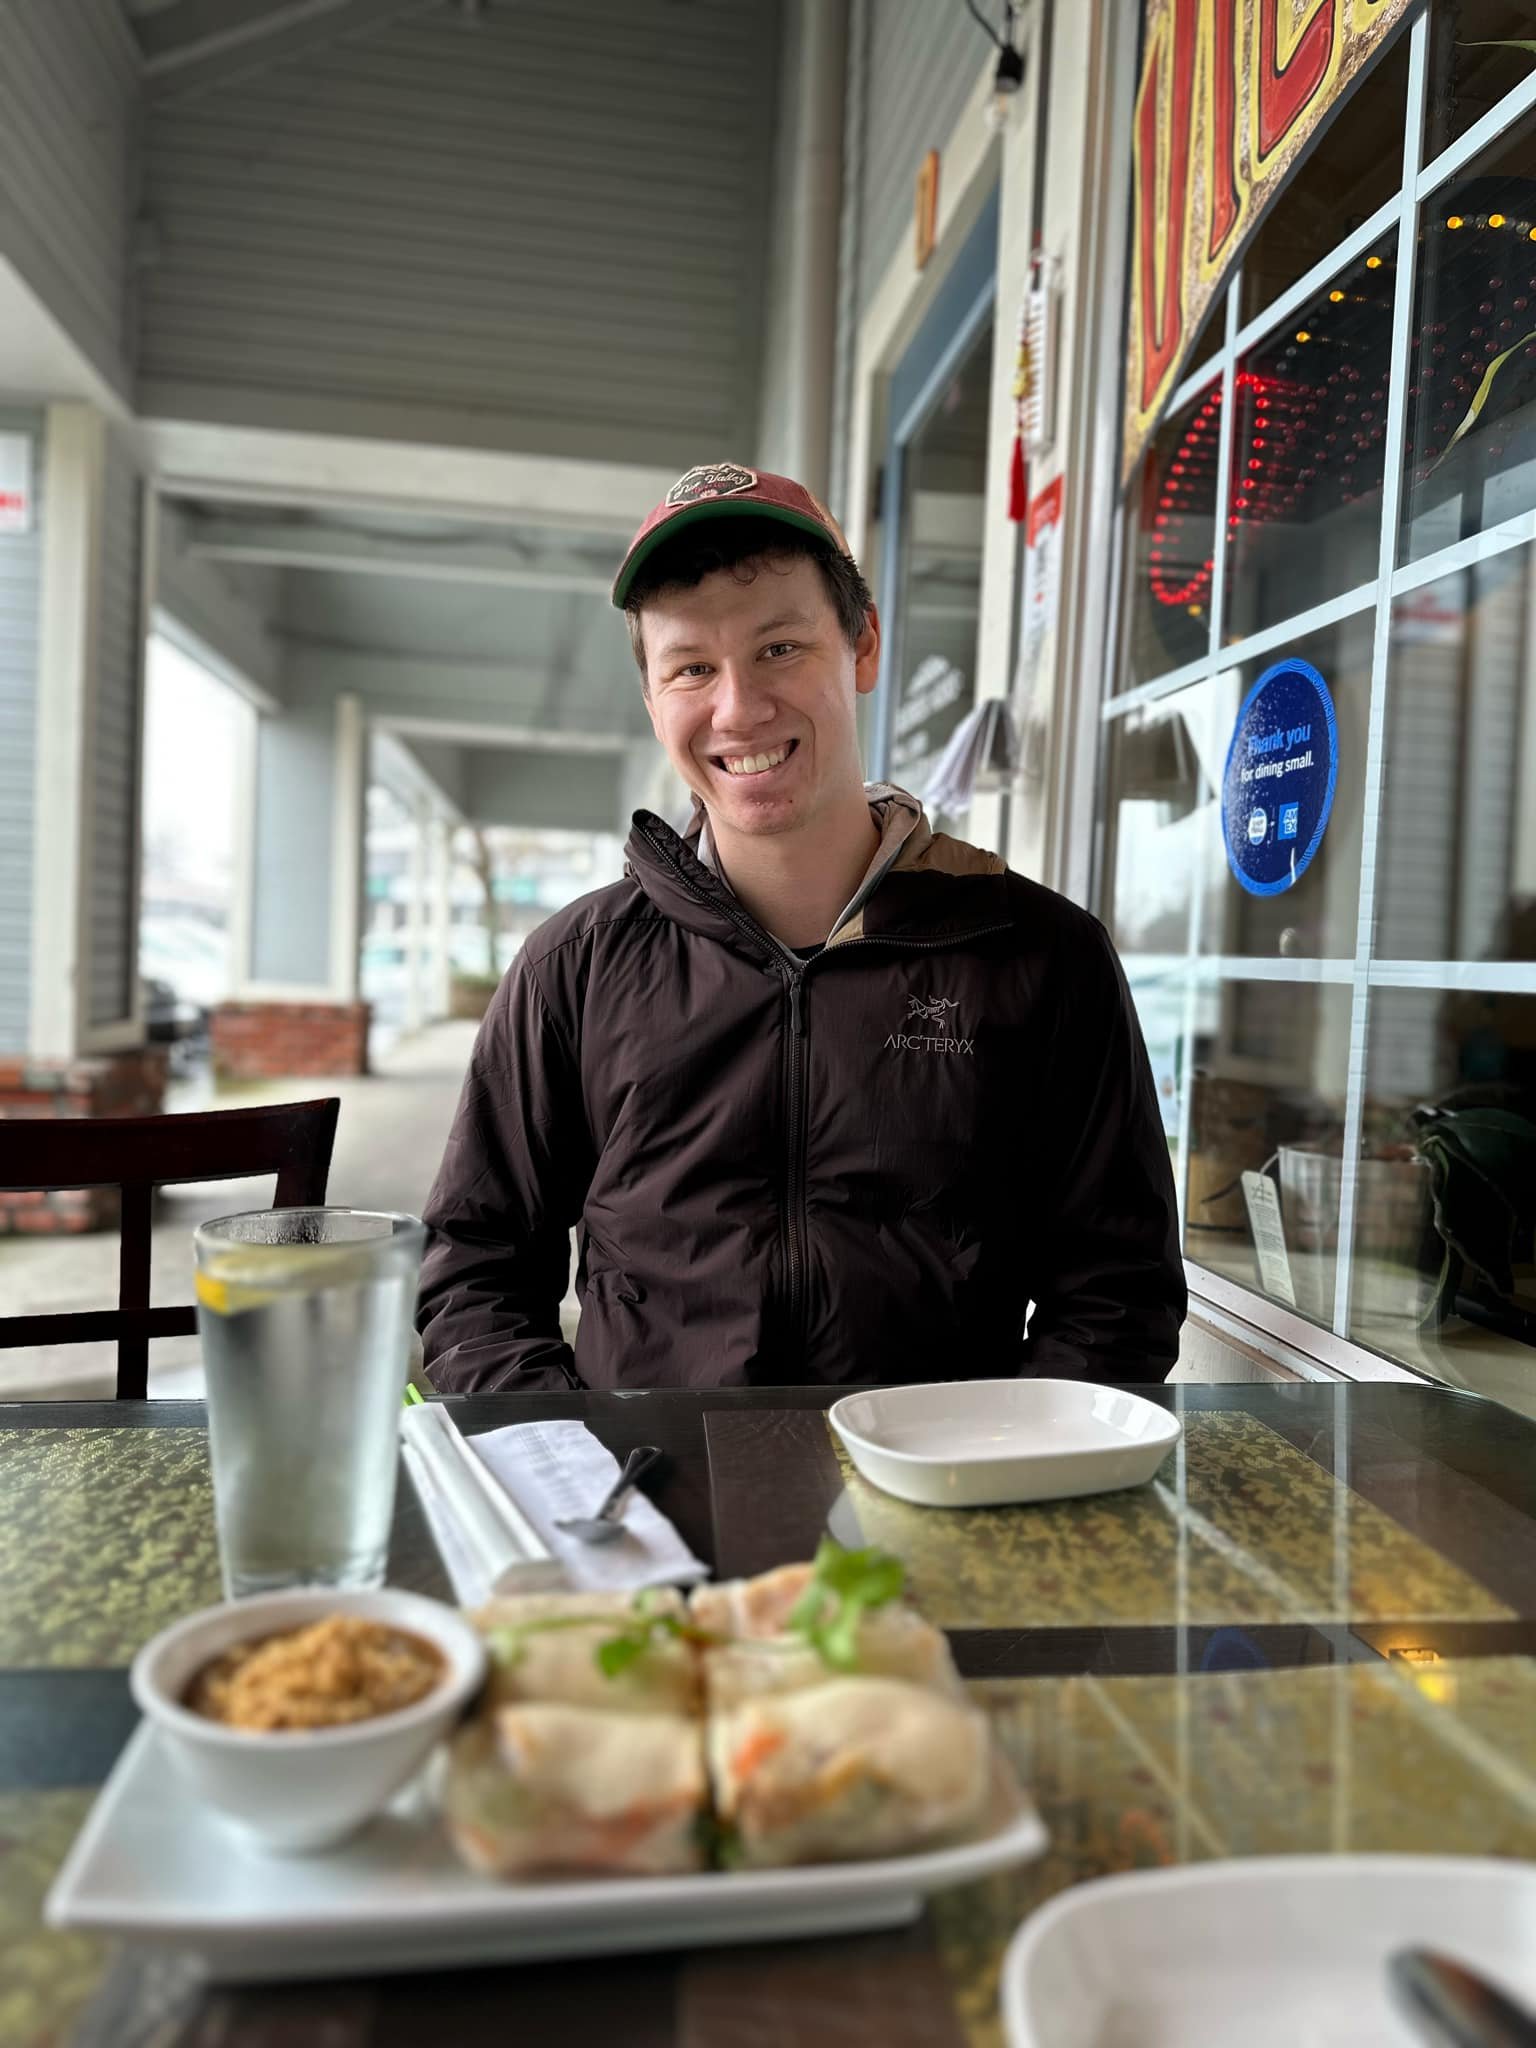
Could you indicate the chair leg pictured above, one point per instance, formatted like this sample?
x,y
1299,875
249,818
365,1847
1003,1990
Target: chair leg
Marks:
x,y
132,1368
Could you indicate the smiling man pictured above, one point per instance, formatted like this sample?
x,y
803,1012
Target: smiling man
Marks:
x,y
826,1095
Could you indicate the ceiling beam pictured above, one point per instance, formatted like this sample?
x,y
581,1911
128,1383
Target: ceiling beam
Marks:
x,y
530,739
207,43
287,545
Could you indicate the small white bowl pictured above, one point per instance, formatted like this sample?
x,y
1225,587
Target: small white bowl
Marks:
x,y
294,1791
983,1443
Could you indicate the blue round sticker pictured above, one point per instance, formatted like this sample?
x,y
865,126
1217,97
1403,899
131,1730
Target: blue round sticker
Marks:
x,y
1282,766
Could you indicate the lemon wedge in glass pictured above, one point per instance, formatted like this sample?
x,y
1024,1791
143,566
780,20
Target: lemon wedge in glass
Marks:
x,y
252,1275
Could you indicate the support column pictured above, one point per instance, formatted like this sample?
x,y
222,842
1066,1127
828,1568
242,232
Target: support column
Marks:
x,y
297,1012
416,920
71,703
440,979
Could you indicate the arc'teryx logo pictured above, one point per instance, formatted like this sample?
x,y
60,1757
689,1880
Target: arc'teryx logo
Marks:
x,y
932,1010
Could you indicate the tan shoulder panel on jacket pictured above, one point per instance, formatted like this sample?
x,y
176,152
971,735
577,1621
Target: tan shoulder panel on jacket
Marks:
x,y
936,853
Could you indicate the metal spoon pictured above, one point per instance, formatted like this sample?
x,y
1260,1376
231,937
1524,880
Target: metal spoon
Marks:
x,y
608,1521
1454,2007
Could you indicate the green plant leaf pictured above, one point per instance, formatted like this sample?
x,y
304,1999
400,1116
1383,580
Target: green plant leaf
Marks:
x,y
843,1587
1481,395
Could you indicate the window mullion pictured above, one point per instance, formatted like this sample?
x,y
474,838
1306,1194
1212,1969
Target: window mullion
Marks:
x,y
1391,496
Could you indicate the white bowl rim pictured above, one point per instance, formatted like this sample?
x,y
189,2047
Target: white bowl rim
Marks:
x,y
1171,1431
450,1633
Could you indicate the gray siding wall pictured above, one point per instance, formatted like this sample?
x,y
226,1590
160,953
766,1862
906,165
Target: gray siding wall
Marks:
x,y
922,59
20,561
112,948
538,228
295,796
68,128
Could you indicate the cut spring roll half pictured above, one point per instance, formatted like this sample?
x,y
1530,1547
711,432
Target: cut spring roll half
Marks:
x,y
544,1647
532,1788
761,1657
853,1768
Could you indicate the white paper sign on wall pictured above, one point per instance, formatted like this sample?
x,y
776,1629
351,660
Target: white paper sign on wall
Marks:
x,y
15,483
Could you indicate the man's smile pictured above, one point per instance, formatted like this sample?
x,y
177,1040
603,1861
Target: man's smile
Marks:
x,y
765,762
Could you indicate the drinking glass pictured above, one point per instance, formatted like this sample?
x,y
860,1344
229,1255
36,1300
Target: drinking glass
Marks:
x,y
305,1317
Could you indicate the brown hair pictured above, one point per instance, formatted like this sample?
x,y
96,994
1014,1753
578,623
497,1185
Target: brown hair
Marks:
x,y
743,543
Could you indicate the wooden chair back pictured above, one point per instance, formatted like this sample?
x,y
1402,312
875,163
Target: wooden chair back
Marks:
x,y
137,1154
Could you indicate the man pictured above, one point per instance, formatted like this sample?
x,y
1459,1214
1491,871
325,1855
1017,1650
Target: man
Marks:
x,y
830,1097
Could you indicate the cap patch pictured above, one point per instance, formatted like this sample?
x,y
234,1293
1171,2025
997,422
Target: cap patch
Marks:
x,y
711,480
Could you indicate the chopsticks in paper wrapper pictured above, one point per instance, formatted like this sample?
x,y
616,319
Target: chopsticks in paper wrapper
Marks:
x,y
506,1550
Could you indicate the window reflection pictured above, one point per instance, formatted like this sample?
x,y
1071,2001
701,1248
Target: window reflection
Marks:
x,y
1171,547
1458,836
1158,805
1471,457
939,591
1445,1250
1475,58
1355,166
1167,884
1269,1062
1303,523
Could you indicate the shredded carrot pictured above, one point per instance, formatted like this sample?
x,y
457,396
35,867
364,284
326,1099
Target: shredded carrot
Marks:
x,y
756,1749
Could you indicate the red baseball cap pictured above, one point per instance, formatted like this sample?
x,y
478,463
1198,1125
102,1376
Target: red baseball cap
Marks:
x,y
717,490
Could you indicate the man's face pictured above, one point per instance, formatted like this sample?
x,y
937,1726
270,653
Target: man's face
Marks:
x,y
752,690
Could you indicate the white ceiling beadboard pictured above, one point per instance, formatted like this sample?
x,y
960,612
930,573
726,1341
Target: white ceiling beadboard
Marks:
x,y
69,94
539,226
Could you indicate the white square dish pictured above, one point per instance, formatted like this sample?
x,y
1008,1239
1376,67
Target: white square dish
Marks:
x,y
1272,1952
987,1443
153,1864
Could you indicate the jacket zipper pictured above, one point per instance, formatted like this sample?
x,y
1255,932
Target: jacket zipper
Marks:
x,y
796,1222
794,1118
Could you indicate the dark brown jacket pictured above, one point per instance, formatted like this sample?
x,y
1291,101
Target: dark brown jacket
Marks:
x,y
859,1168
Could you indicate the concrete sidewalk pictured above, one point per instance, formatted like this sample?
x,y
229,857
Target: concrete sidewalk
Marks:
x,y
389,1139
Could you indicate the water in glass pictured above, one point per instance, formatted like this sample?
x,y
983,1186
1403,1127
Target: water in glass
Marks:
x,y
305,1318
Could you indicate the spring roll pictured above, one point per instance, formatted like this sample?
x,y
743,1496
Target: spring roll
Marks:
x,y
544,1788
544,1648
857,1767
761,1657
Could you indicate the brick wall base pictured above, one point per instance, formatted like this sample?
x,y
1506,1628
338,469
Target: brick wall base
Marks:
x,y
105,1084
271,1041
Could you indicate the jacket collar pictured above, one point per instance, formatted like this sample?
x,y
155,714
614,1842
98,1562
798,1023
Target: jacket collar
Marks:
x,y
920,884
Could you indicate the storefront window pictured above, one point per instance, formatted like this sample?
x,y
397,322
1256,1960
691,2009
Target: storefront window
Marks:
x,y
1168,885
1172,544
1268,1065
944,478
1444,1273
1353,168
1479,50
1345,1045
1472,388
1457,863
1304,520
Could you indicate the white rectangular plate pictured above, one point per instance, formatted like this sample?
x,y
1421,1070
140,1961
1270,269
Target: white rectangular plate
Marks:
x,y
1272,1952
984,1443
152,1864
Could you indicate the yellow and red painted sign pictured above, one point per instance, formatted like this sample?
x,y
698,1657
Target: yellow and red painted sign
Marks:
x,y
1231,92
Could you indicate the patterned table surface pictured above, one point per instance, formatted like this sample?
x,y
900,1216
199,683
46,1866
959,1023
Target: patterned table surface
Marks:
x,y
1316,1631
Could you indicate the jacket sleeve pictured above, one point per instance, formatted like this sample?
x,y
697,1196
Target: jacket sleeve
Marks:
x,y
512,1183
1111,1294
